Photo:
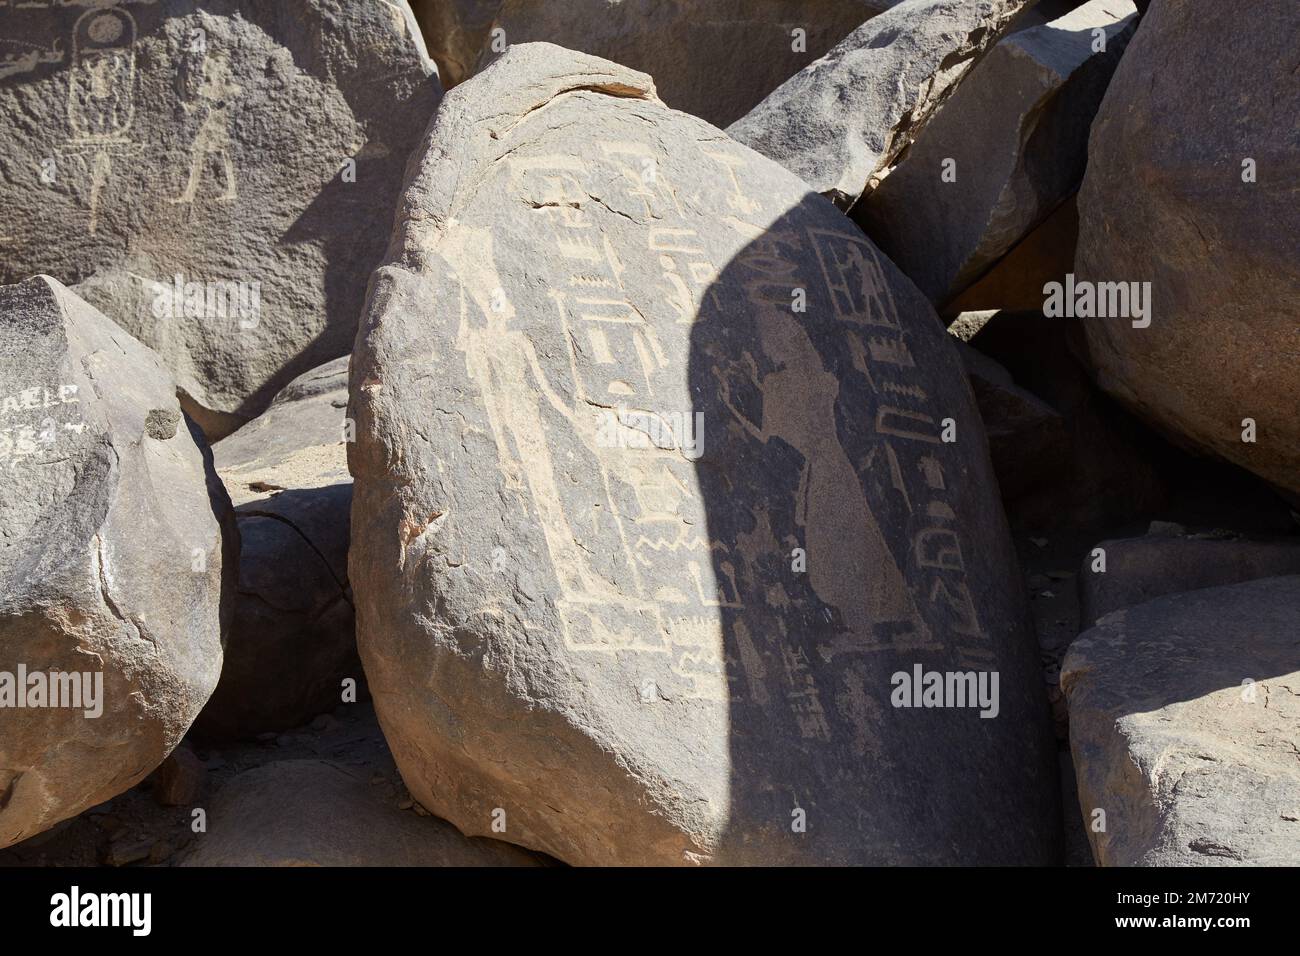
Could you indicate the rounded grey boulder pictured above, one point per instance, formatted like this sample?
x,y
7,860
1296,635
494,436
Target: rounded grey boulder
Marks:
x,y
117,560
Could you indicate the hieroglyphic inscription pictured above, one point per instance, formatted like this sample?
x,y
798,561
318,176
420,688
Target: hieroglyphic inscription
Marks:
x,y
661,592
909,425
101,96
19,56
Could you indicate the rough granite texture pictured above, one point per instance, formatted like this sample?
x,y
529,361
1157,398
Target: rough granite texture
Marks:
x,y
117,557
843,120
210,140
1184,718
1165,201
579,610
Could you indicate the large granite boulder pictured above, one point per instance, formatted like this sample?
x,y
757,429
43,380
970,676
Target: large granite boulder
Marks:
x,y
1140,569
715,59
316,813
1184,719
655,523
841,122
1190,189
1008,147
117,561
219,177
292,640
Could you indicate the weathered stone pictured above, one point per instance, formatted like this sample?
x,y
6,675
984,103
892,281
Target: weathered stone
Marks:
x,y
292,640
1191,189
117,559
643,639
1008,147
1184,719
841,122
254,150
180,781
715,59
315,813
1140,569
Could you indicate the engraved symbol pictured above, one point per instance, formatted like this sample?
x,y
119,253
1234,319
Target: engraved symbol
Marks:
x,y
215,95
101,95
29,59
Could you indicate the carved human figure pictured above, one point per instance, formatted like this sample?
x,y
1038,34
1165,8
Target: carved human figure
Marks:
x,y
215,95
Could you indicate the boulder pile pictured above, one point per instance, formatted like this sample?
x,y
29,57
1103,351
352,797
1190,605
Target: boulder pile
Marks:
x,y
649,432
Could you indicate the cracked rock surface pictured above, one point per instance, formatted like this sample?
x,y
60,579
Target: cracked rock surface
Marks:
x,y
1015,138
715,59
1184,723
117,558
842,121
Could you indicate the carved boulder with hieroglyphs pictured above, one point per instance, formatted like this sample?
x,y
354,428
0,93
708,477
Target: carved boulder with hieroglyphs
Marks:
x,y
652,504
218,178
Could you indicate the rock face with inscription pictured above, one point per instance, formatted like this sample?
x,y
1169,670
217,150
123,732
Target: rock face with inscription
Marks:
x,y
1004,152
117,559
1184,719
655,525
218,177
292,640
843,120
316,813
715,59
1191,188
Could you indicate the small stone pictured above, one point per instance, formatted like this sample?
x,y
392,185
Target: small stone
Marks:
x,y
179,781
323,723
125,852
